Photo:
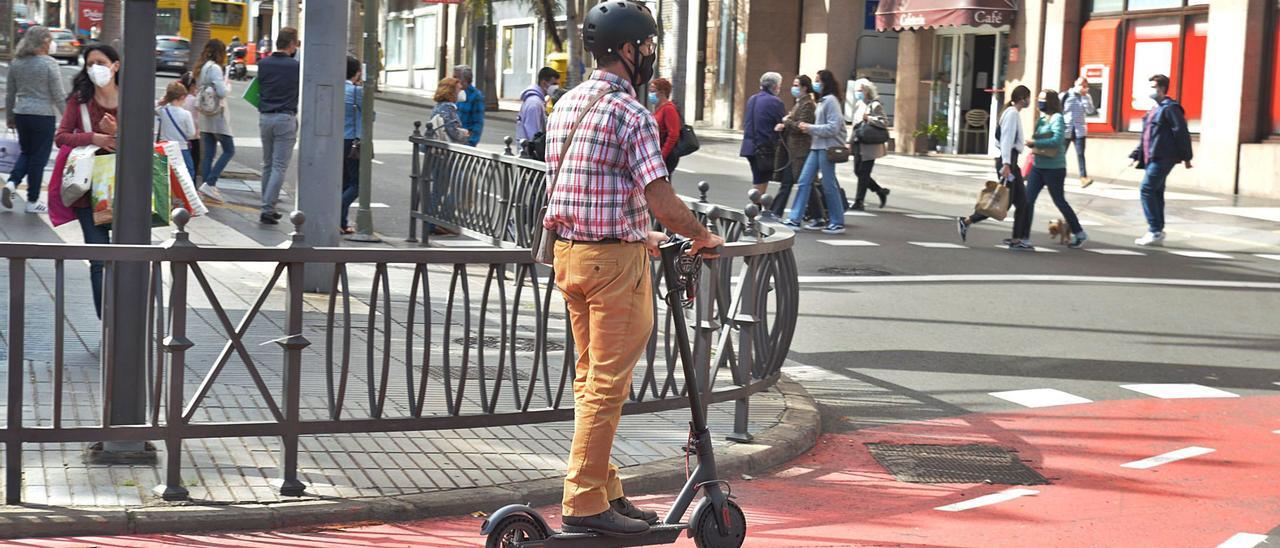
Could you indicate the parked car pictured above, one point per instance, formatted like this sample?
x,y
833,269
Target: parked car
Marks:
x,y
68,46
172,53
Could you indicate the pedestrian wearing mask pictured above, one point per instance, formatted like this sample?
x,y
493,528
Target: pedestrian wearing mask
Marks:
x,y
470,111
1049,169
352,125
828,132
795,148
1165,142
759,140
1008,143
212,88
533,109
278,82
445,123
175,123
605,173
33,98
94,94
669,122
869,111
1076,105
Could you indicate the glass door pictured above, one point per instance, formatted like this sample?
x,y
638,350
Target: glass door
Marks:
x,y
948,89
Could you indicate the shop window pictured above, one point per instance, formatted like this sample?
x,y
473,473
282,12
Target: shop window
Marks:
x,y
424,41
1151,47
1107,6
395,43
1135,5
1191,93
508,48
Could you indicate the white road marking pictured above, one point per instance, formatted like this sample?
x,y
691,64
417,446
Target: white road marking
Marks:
x,y
930,217
1089,223
1037,249
987,500
379,162
1172,456
683,170
858,214
1179,391
1202,254
1267,256
1126,252
1040,397
938,245
459,243
849,243
1261,213
374,205
1244,540
1036,278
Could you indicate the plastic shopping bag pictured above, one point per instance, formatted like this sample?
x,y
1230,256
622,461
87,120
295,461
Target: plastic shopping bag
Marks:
x,y
10,149
181,187
103,188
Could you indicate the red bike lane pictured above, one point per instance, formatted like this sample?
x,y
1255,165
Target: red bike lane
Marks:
x,y
1215,478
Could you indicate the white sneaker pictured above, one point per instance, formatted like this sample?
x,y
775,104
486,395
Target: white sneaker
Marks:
x,y
37,207
1151,239
211,193
6,195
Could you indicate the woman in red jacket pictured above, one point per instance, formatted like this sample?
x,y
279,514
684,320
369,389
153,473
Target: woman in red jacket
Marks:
x,y
668,118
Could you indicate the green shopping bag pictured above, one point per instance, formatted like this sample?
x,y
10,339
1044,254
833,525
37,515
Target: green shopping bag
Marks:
x,y
251,93
160,201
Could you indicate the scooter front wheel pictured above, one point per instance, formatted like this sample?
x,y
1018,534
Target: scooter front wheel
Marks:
x,y
513,530
707,535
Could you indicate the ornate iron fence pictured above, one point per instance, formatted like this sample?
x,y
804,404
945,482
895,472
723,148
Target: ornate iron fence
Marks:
x,y
441,339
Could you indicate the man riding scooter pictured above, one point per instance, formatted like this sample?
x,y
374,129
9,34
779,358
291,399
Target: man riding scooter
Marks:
x,y
237,52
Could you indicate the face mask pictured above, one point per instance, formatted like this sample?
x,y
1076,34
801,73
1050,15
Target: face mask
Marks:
x,y
858,95
795,91
1041,105
1155,96
462,96
646,69
653,98
551,89
53,47
100,74
817,87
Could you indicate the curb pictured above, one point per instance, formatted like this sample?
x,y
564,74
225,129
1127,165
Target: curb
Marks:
x,y
414,101
794,434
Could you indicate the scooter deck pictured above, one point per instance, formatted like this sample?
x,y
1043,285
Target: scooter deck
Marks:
x,y
658,534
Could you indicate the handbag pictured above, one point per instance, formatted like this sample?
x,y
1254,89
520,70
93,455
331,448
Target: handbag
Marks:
x,y
1045,152
10,149
838,155
870,134
687,144
543,246
993,201
78,171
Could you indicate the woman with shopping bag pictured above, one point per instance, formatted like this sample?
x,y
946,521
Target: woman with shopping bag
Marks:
x,y
89,120
1008,143
33,99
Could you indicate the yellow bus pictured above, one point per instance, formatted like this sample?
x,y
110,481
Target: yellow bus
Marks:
x,y
226,19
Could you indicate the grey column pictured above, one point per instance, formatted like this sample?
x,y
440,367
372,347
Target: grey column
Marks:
x,y
319,195
126,319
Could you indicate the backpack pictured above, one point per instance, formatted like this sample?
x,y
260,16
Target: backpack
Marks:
x,y
207,101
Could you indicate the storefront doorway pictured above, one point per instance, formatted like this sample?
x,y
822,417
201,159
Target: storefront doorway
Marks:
x,y
969,68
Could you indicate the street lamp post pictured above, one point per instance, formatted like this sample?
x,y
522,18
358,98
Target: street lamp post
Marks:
x,y
364,214
124,366
324,47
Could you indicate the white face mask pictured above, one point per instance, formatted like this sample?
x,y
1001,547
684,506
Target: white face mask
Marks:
x,y
53,47
1155,96
100,74
462,96
551,89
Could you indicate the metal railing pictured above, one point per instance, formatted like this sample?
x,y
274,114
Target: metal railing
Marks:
x,y
403,340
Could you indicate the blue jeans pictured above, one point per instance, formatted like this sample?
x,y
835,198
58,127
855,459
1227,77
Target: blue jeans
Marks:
x,y
1152,194
191,164
1079,142
35,136
350,179
816,161
93,234
1052,178
208,145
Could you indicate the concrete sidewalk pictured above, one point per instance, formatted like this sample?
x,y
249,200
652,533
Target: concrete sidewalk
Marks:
x,y
349,477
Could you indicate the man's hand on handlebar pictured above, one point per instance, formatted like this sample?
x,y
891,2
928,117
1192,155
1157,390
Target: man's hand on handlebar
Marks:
x,y
708,246
653,240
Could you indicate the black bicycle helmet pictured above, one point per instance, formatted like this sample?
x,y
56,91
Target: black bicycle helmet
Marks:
x,y
613,23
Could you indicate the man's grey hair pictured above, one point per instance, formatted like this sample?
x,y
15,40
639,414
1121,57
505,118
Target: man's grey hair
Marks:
x,y
33,41
771,81
464,73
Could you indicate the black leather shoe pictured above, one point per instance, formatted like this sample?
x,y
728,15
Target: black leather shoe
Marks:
x,y
857,206
277,215
624,507
608,523
267,219
884,197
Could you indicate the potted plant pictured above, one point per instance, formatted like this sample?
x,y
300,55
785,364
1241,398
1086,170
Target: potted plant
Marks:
x,y
934,133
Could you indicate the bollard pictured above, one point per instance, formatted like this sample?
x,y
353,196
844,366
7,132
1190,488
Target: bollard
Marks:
x,y
508,141
703,187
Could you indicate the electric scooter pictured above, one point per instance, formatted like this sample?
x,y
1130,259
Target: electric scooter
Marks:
x,y
717,521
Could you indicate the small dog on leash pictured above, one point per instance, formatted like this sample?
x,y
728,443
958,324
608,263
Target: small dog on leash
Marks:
x,y
1058,228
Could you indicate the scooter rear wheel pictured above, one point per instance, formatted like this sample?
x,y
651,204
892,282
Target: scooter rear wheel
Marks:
x,y
707,535
514,529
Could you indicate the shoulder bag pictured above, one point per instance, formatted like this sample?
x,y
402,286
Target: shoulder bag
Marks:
x,y
77,174
543,246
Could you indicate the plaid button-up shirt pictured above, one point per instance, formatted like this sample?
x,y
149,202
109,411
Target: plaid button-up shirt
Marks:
x,y
615,154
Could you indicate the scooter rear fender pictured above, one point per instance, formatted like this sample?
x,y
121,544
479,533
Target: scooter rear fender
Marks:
x,y
492,521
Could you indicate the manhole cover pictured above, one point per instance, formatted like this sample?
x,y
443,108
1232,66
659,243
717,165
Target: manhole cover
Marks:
x,y
954,464
522,344
869,270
